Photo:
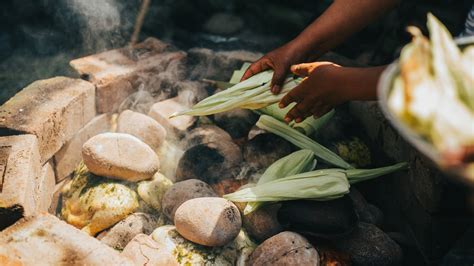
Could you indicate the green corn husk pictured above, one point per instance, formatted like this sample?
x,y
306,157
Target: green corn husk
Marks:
x,y
297,162
276,127
238,74
358,175
321,185
253,93
307,126
317,185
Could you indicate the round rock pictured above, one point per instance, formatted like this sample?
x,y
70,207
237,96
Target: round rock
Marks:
x,y
120,156
237,122
143,127
368,245
208,221
262,223
210,162
327,219
206,134
264,149
124,231
183,191
286,248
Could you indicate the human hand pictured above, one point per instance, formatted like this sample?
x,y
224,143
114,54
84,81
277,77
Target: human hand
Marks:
x,y
458,157
317,94
280,61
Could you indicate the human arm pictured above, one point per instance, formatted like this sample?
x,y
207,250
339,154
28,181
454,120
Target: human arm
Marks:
x,y
342,19
327,85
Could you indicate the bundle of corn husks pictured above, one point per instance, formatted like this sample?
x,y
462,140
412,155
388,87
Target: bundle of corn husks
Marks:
x,y
434,93
253,93
292,178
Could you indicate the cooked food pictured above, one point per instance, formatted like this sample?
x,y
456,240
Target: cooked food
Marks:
x,y
434,93
93,203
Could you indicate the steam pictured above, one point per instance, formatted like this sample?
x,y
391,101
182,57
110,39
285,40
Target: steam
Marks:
x,y
100,15
101,23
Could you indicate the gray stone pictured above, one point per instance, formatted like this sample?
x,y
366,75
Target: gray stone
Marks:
x,y
176,250
124,231
262,223
183,191
286,248
208,221
120,156
143,127
368,245
143,250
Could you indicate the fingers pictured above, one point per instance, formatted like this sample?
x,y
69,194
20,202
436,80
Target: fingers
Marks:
x,y
305,69
258,66
297,113
297,94
279,76
302,70
287,99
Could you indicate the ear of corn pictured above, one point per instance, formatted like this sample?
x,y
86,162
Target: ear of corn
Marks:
x,y
310,185
279,128
297,162
252,93
307,126
238,74
358,175
294,163
326,184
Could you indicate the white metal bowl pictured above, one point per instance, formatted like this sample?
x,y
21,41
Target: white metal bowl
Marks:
x,y
385,85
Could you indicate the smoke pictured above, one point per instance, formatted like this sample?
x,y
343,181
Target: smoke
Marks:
x,y
98,25
100,15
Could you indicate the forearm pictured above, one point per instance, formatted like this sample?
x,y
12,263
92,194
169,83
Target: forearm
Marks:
x,y
342,19
360,84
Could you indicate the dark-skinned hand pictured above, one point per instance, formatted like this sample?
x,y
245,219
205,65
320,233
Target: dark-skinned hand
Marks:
x,y
280,60
317,94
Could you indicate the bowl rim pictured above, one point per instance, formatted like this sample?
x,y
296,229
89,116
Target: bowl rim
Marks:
x,y
384,86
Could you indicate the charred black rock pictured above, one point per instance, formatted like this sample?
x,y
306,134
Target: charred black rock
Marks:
x,y
368,245
237,122
264,149
205,134
210,162
327,219
367,212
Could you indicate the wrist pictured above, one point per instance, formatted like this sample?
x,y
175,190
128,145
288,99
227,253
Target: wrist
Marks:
x,y
359,84
303,48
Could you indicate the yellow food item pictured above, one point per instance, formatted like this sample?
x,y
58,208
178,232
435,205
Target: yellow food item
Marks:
x,y
93,203
434,93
